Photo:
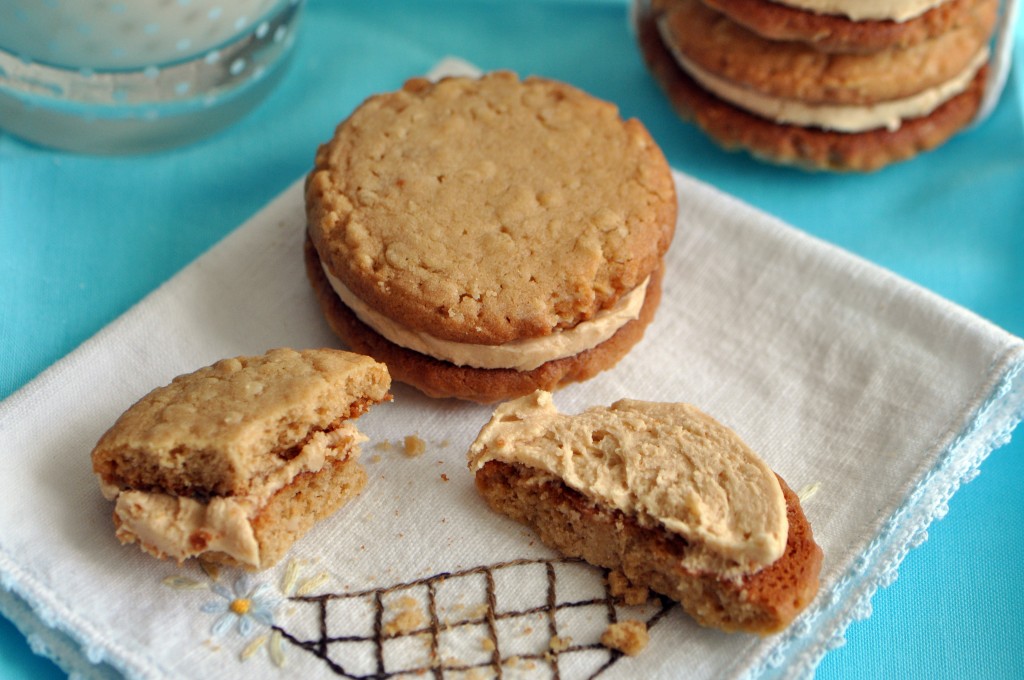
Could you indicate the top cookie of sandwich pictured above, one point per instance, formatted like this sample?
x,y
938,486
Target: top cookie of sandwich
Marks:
x,y
485,210
217,431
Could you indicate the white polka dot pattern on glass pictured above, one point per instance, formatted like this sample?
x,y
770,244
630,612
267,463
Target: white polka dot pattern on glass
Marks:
x,y
113,64
126,34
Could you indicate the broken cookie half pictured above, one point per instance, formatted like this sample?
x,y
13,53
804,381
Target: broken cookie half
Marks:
x,y
236,461
661,492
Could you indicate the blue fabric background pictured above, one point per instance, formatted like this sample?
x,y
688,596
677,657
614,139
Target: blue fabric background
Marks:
x,y
83,238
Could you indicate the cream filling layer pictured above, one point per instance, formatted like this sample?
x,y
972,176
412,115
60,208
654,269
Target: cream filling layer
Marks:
x,y
165,525
887,114
668,463
521,355
863,10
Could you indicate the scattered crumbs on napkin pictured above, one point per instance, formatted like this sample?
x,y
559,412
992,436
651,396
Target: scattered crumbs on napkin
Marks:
x,y
629,637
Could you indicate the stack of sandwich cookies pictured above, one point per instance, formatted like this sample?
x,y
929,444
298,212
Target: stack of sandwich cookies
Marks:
x,y
822,84
236,461
661,493
487,237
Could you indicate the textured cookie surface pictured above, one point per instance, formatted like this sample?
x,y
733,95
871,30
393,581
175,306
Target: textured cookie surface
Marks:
x,y
838,34
492,209
442,379
795,71
215,431
809,148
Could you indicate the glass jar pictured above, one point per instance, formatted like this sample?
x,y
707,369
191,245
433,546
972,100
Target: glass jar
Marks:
x,y
128,76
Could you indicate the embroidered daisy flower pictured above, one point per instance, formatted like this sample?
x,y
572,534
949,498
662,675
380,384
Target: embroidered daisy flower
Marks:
x,y
245,605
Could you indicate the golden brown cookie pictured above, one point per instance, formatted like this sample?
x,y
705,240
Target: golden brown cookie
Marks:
x,y
839,34
806,147
795,71
237,460
491,225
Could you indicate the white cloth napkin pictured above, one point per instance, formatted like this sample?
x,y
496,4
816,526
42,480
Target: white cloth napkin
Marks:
x,y
847,379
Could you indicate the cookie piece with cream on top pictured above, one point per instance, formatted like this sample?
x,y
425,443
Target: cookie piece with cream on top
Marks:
x,y
660,492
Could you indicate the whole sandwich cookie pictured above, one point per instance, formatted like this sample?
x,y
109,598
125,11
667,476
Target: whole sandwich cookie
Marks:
x,y
660,492
236,461
789,103
487,237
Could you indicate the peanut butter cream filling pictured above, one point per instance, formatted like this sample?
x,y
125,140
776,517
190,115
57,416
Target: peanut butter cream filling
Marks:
x,y
180,527
521,355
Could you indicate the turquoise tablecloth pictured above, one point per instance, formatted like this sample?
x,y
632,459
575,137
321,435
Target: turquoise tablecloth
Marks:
x,y
82,238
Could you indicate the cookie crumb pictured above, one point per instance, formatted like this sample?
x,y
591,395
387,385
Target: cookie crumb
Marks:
x,y
559,644
444,477
408,617
487,644
629,637
384,445
414,446
623,589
